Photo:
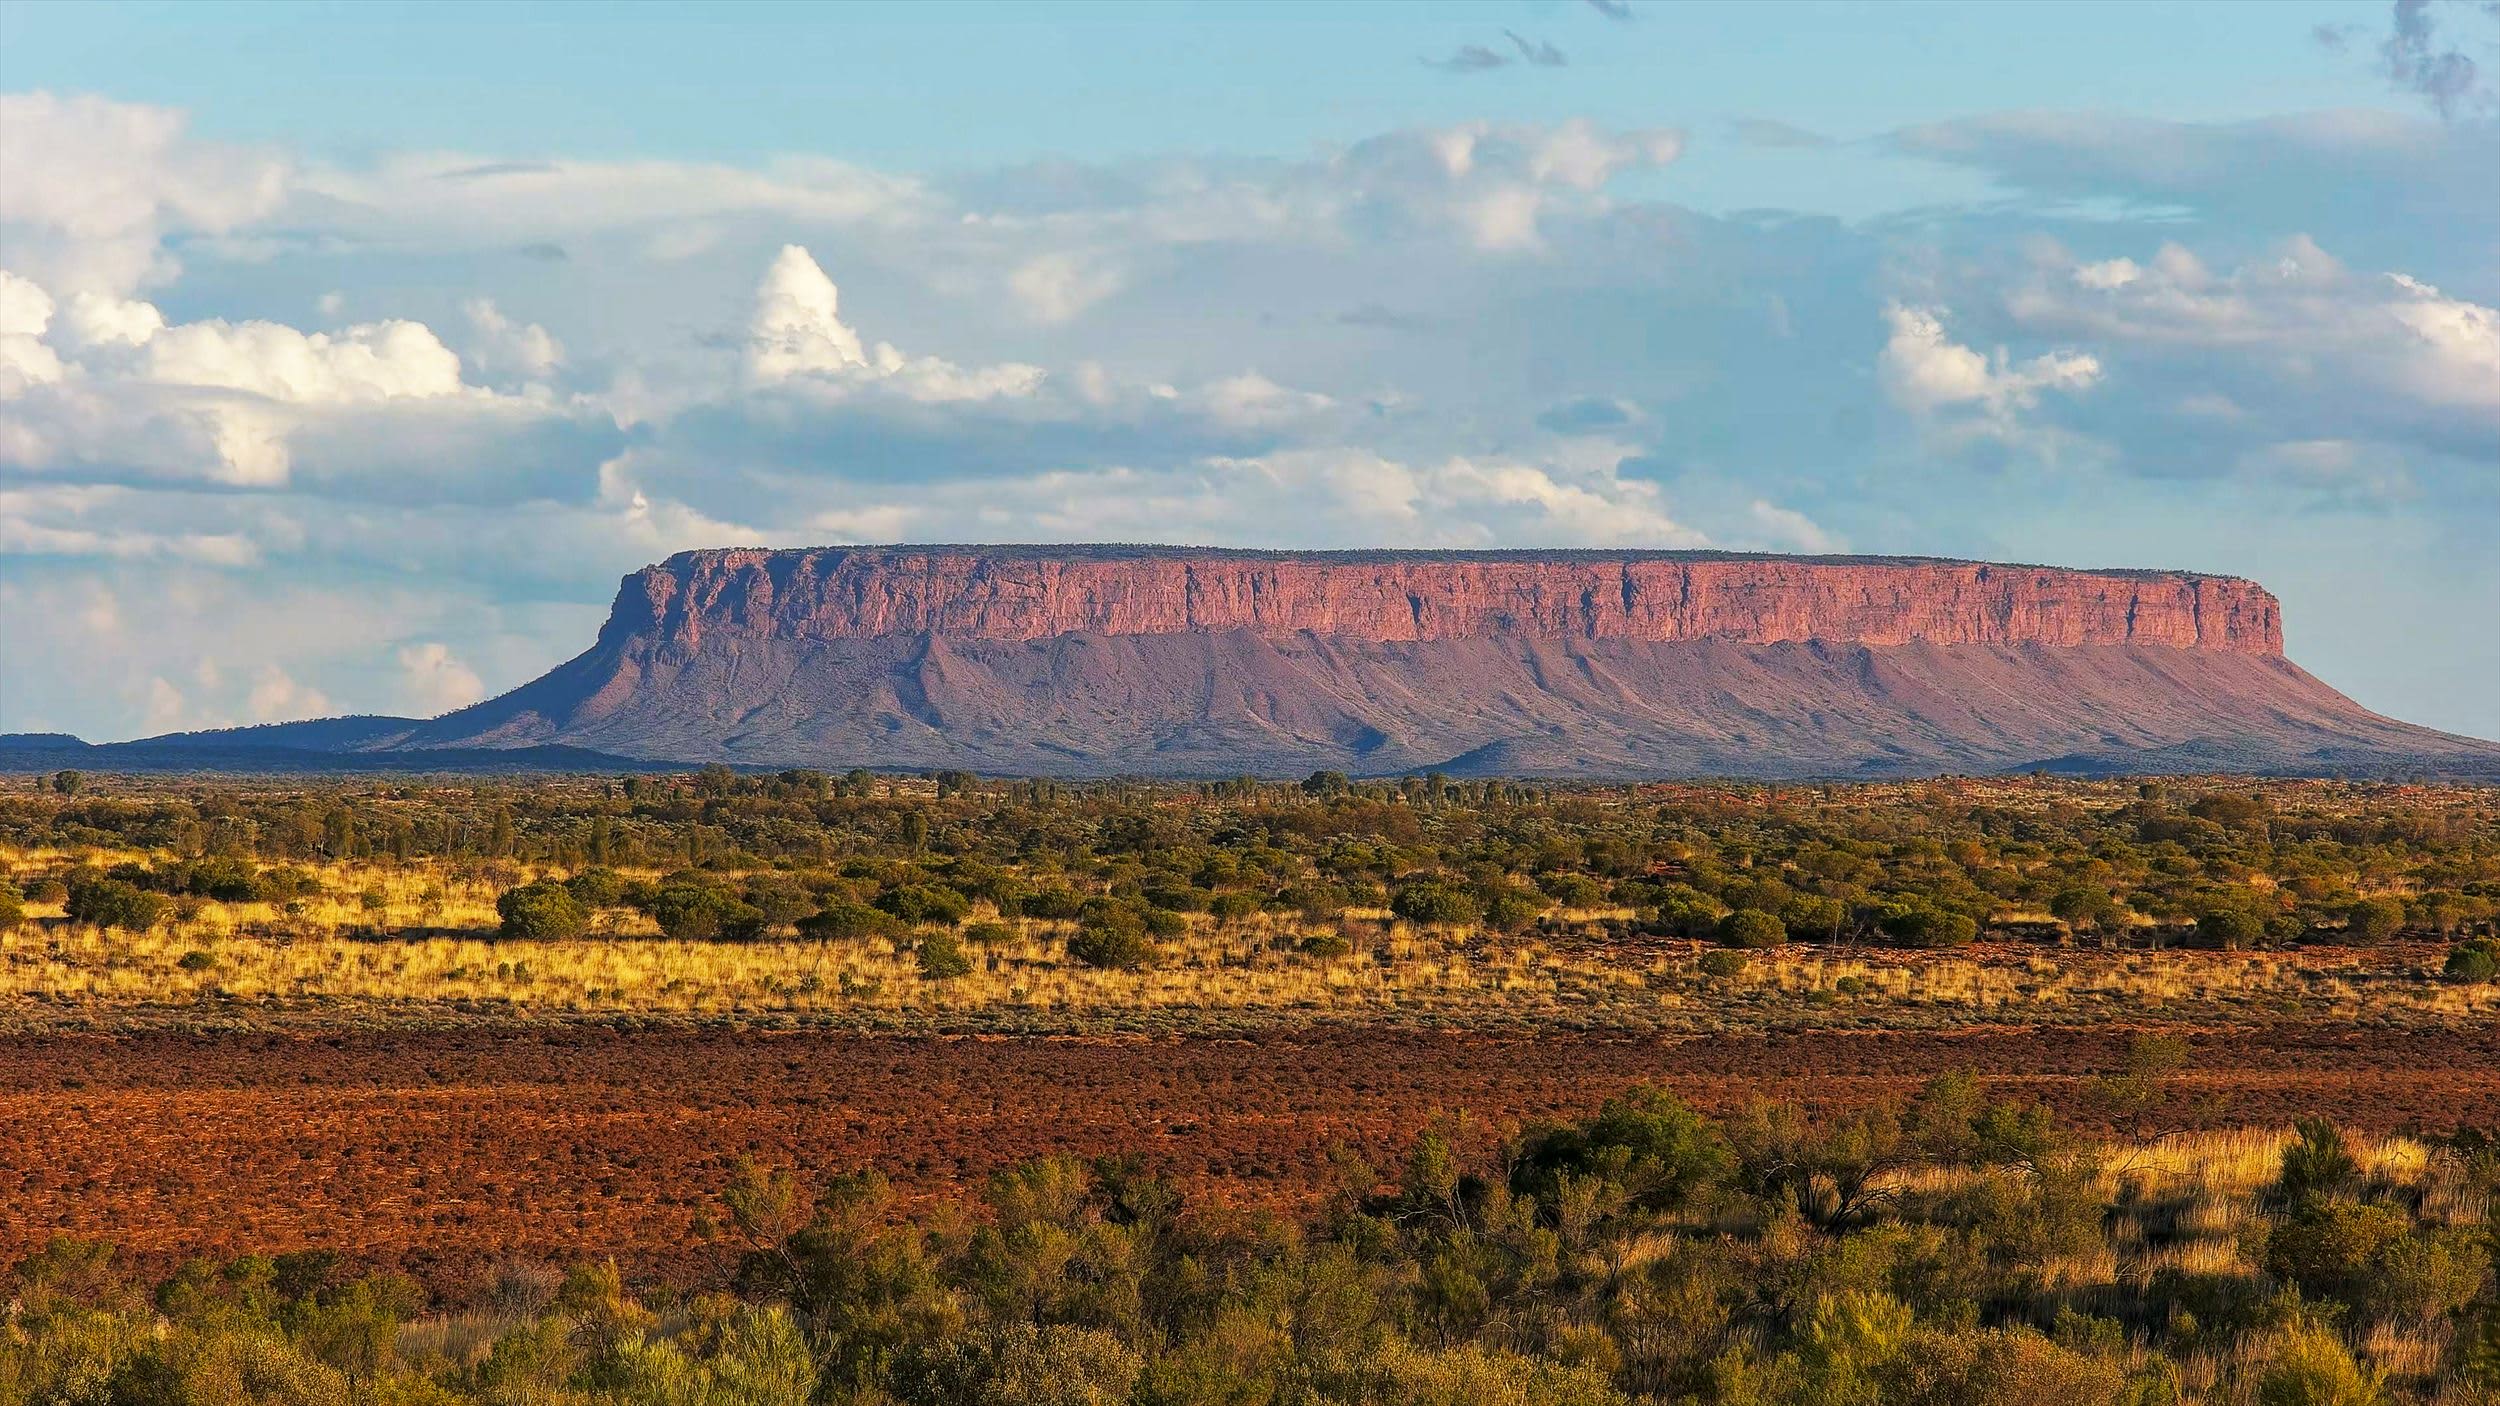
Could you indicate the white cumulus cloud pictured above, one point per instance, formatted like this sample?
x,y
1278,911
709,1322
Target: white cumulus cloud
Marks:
x,y
500,344
2294,337
797,334
1925,370
25,360
94,187
372,361
277,697
434,680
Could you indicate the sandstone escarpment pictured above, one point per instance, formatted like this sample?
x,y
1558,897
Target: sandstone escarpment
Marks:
x,y
994,593
1196,662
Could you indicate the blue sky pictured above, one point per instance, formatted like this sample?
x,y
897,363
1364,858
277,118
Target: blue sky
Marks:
x,y
348,354
969,86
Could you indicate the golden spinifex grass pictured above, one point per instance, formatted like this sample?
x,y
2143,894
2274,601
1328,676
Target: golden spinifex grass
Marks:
x,y
2198,1206
420,940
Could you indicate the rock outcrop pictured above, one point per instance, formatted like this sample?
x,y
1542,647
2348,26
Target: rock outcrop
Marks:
x,y
1185,661
1024,593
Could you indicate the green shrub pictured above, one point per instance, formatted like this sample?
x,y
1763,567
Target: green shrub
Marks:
x,y
2475,960
2431,1274
1112,945
1659,1154
1397,1373
1813,918
986,934
283,883
2374,920
597,888
2478,1351
113,903
1178,897
2332,1247
1928,927
925,903
2310,1366
1233,907
12,908
698,913
1723,963
2089,910
1054,904
2230,928
226,879
1024,1363
1680,910
780,900
2316,1162
1509,910
1432,901
845,921
2008,1367
942,957
545,911
1572,890
1751,929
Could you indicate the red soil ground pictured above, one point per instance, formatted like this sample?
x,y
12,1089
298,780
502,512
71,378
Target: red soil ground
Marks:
x,y
446,1152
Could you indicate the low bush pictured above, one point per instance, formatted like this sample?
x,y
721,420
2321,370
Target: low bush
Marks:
x,y
925,903
1432,901
1751,929
545,911
2374,920
1506,909
2230,929
696,912
845,921
1111,944
942,957
1234,907
597,888
1724,963
2474,960
113,903
1927,927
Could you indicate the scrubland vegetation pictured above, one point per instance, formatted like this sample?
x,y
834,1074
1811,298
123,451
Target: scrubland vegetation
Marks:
x,y
952,903
1949,1249
1964,1246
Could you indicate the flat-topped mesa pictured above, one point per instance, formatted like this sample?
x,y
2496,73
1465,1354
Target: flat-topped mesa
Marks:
x,y
1029,593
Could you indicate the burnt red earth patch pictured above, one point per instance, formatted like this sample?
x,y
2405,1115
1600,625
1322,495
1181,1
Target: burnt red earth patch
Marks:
x,y
445,1152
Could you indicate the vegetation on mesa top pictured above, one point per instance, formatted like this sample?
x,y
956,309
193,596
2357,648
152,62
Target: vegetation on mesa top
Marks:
x,y
1953,1250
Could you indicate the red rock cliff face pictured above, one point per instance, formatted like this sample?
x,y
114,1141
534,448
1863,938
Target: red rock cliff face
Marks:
x,y
1026,593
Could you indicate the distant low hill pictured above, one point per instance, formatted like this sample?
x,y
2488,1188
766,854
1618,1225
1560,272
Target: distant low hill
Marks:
x,y
1170,661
